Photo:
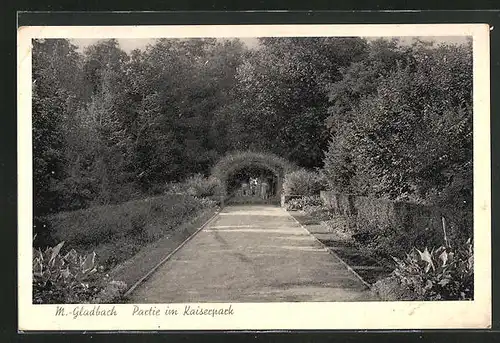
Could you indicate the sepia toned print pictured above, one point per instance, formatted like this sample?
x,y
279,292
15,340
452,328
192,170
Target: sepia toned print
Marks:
x,y
220,175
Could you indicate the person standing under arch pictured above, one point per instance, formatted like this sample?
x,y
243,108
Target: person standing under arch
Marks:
x,y
264,188
245,189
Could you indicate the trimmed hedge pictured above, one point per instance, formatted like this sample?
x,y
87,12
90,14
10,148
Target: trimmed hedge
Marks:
x,y
238,159
392,228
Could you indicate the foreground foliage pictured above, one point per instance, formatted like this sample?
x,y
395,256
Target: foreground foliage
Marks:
x,y
70,278
442,274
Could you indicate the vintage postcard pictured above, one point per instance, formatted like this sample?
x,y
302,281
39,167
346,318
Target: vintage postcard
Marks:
x,y
254,177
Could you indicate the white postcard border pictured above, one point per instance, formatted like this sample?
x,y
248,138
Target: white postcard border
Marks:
x,y
266,316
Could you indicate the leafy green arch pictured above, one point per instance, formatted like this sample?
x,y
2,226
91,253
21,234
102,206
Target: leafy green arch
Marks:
x,y
232,162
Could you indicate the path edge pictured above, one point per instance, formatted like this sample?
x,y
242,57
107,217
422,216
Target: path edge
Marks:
x,y
331,252
166,258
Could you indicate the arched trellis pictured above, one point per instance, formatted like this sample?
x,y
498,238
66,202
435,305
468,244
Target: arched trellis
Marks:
x,y
231,163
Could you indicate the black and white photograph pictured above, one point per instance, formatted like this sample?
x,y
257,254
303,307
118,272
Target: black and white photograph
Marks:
x,y
184,176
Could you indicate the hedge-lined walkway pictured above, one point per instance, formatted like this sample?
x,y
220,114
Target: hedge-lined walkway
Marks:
x,y
252,254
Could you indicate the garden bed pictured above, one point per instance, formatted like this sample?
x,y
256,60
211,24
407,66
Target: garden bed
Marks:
x,y
134,269
396,262
365,265
125,239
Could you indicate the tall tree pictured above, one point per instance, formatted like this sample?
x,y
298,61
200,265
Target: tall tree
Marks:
x,y
56,94
180,86
283,93
410,137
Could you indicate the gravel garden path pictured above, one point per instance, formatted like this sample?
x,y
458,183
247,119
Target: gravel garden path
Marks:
x,y
252,253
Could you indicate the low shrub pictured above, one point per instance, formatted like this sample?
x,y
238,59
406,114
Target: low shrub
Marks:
x,y
294,204
319,212
391,289
68,278
342,226
395,240
200,186
174,188
110,293
384,242
442,274
302,203
303,182
207,202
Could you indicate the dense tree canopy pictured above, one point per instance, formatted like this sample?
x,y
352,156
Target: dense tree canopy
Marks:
x,y
401,123
284,102
379,117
